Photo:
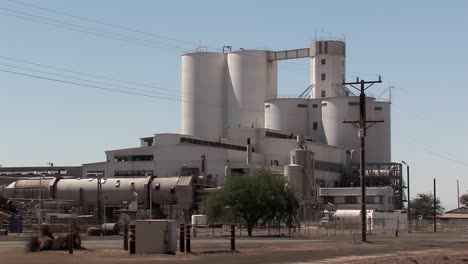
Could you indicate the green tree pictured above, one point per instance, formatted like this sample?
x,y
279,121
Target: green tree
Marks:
x,y
423,206
464,199
260,196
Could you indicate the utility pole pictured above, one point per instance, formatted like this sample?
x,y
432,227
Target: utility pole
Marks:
x,y
458,195
99,199
362,134
435,209
408,214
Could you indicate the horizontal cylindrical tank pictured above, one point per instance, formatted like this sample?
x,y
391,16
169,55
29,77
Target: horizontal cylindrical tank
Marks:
x,y
351,218
164,190
252,80
29,188
114,191
204,87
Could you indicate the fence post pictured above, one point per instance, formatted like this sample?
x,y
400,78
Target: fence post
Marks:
x,y
187,239
181,238
70,240
233,238
125,238
132,238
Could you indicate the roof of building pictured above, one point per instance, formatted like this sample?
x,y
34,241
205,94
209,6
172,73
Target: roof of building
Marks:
x,y
460,210
454,216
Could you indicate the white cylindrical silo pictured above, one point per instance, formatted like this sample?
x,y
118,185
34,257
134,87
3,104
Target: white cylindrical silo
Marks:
x,y
383,132
252,80
338,109
203,94
288,115
327,68
295,175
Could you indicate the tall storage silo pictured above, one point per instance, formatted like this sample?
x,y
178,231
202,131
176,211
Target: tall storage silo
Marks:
x,y
203,84
327,68
383,132
252,80
338,109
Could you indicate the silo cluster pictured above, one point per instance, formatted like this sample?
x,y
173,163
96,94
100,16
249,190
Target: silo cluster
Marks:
x,y
225,90
238,89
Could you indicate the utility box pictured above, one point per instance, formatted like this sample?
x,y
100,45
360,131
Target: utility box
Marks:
x,y
155,236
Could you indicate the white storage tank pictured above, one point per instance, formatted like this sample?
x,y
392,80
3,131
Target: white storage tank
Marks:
x,y
338,109
295,175
203,84
352,219
382,131
252,80
288,115
295,115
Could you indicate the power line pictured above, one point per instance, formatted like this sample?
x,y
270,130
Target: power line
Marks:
x,y
92,31
89,75
104,23
118,26
86,85
81,79
115,36
434,153
128,92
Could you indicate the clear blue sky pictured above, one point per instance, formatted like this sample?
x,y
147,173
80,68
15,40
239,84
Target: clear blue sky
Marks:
x,y
419,47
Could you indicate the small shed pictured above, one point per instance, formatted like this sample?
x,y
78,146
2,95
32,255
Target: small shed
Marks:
x,y
457,216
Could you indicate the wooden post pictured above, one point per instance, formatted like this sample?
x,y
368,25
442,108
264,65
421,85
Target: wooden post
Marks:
x,y
181,238
70,240
187,239
125,242
233,238
132,242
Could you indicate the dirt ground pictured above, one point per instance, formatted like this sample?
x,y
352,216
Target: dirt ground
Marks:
x,y
407,248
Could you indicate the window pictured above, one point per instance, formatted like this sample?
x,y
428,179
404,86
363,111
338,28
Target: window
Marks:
x,y
323,77
329,199
378,108
324,104
314,105
326,47
353,103
267,106
323,94
350,200
320,47
315,125
323,61
302,105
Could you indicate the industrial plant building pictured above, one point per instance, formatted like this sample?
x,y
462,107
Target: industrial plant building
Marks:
x,y
233,122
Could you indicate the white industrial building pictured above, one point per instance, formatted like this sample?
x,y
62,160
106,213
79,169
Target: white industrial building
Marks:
x,y
232,121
